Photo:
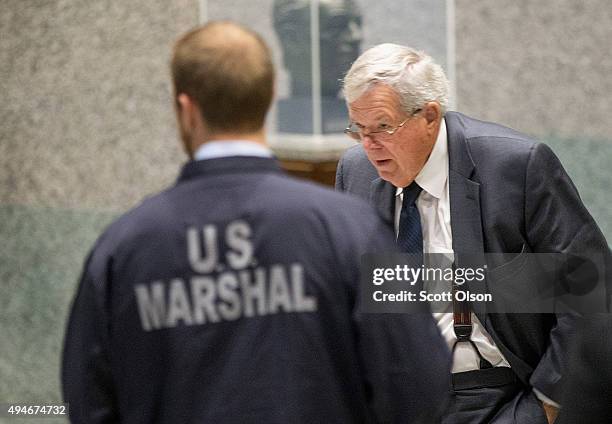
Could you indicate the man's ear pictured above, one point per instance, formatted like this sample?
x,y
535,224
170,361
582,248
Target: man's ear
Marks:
x,y
432,112
185,111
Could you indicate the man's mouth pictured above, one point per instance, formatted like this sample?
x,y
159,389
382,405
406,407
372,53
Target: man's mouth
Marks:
x,y
382,162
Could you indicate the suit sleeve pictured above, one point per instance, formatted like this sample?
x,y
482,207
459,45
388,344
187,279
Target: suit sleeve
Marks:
x,y
557,222
588,394
406,362
86,371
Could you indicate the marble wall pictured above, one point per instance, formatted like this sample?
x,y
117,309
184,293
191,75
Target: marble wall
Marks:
x,y
541,67
87,100
86,130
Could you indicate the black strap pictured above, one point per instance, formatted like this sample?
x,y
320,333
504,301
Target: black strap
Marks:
x,y
462,324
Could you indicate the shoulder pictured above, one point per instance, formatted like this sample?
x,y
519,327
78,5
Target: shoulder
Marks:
x,y
487,136
354,154
355,172
318,216
298,197
278,200
152,216
331,223
354,158
494,146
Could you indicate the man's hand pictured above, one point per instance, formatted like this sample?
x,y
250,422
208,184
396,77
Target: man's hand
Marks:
x,y
551,412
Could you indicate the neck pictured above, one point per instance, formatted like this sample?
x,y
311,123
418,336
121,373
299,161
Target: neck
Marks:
x,y
258,137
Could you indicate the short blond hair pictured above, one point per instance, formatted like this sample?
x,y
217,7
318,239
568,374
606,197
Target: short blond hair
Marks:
x,y
227,70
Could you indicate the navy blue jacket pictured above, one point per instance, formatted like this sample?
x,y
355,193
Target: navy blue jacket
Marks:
x,y
231,297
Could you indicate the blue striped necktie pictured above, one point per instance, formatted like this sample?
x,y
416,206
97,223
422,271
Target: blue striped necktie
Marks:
x,y
410,234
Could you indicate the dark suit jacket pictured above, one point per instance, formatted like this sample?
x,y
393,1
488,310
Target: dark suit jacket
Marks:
x,y
508,194
588,395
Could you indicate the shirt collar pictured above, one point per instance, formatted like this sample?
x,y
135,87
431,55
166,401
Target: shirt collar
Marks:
x,y
218,149
434,174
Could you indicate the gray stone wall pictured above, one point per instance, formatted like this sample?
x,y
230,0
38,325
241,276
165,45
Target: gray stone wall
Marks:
x,y
86,130
87,100
542,67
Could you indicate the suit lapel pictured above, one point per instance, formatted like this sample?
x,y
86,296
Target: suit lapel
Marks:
x,y
466,219
466,224
382,196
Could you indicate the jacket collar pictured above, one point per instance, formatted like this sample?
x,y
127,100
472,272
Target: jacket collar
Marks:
x,y
465,211
228,165
460,160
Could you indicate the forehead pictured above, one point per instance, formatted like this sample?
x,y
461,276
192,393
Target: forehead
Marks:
x,y
379,101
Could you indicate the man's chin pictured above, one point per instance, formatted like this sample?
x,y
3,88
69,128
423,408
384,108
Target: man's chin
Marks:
x,y
386,169
393,178
388,176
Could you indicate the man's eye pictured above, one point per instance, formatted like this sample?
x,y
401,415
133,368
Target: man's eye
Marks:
x,y
359,126
383,126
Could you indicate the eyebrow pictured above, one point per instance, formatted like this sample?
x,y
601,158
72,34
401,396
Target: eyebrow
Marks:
x,y
378,118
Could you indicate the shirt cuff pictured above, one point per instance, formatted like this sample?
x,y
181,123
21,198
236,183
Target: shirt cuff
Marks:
x,y
544,399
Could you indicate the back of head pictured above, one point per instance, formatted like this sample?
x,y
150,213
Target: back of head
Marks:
x,y
411,73
227,70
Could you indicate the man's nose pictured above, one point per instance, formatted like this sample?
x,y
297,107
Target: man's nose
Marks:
x,y
369,142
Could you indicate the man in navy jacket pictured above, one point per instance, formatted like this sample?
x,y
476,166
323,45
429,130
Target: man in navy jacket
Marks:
x,y
233,295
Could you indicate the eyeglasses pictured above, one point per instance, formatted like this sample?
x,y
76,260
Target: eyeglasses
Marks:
x,y
357,133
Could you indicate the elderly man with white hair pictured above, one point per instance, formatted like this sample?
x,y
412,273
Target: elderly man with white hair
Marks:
x,y
448,183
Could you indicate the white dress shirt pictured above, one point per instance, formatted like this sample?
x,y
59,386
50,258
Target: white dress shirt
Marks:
x,y
434,208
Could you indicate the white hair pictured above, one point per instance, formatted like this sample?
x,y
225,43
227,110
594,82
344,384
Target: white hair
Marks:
x,y
411,73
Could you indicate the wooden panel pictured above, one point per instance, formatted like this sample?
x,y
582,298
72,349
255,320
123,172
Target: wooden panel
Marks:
x,y
320,172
